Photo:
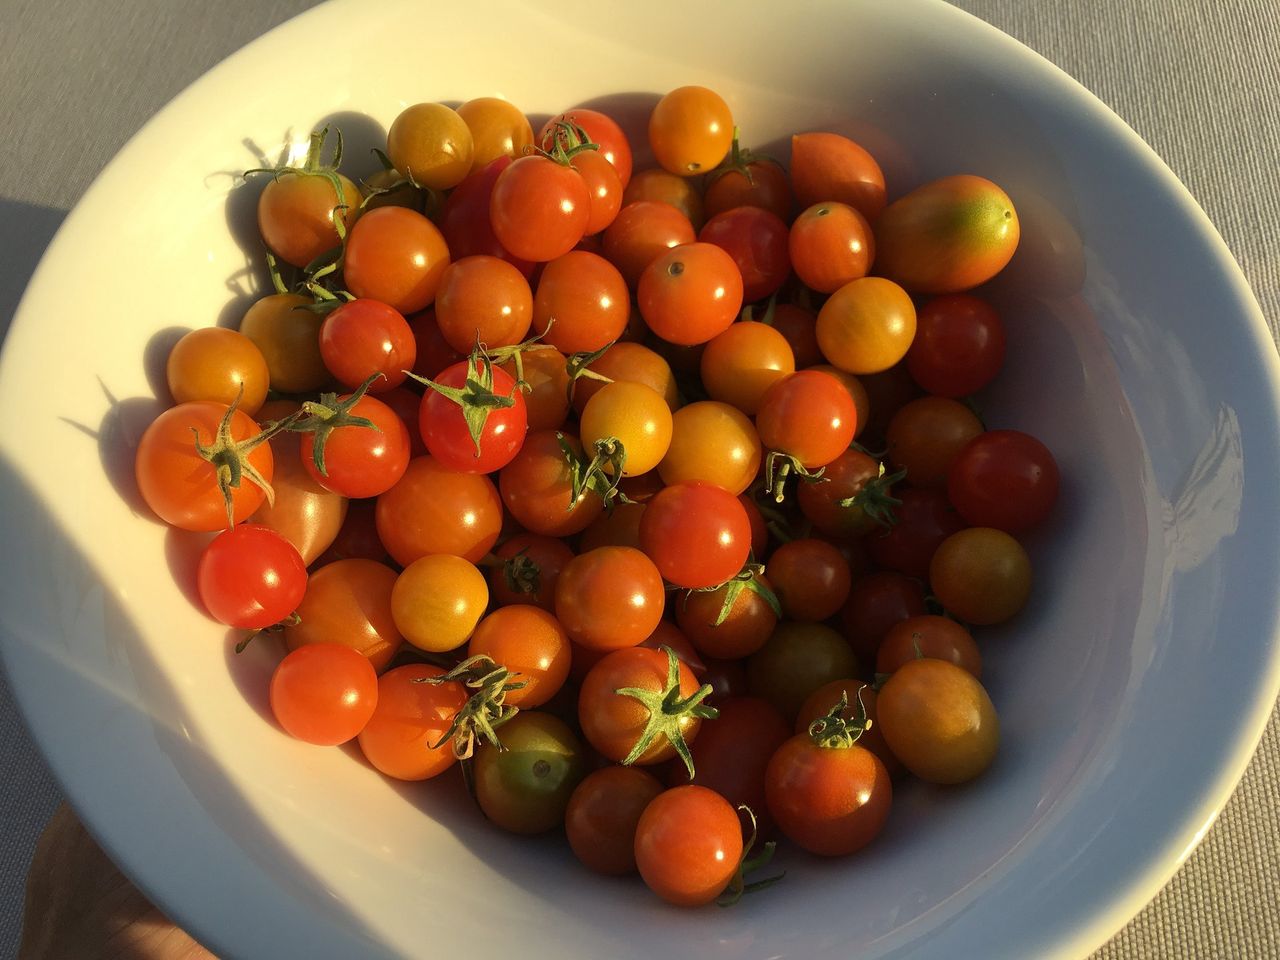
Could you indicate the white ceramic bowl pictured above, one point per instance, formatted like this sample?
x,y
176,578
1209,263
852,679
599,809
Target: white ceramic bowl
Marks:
x,y
1132,691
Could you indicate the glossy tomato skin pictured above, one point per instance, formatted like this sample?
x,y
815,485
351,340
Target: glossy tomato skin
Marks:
x,y
828,166
409,720
396,256
483,299
499,130
433,509
939,721
613,722
657,184
697,534
296,213
690,293
603,813
866,326
690,130
714,443
540,558
525,787
959,345
601,129
636,416
361,461
546,390
831,801
1004,479
981,575
364,337
733,750
445,431
531,644
537,487
464,219
688,845
539,208
304,513
746,627
603,187
811,578
797,660
927,435
323,693
823,700
830,244
349,601
433,351
251,577
432,145
582,303
809,416
609,598
740,364
757,240
179,485
288,337
767,187
219,365
437,601
640,232
939,638
844,477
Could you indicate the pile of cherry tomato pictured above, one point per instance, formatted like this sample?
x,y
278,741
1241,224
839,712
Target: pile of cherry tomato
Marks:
x,y
654,500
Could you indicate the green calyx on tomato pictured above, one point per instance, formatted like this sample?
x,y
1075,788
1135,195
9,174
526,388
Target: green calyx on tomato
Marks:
x,y
485,710
739,160
875,499
230,458
666,709
568,140
522,574
836,732
592,474
738,886
389,180
578,365
477,397
326,415
778,466
747,579
292,620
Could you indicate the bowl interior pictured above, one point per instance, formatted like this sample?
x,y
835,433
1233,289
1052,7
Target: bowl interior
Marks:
x,y
1131,690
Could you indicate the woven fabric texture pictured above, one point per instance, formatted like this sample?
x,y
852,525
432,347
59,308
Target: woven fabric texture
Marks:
x,y
1198,79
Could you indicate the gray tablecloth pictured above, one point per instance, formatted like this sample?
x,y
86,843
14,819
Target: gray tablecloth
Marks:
x,y
1200,81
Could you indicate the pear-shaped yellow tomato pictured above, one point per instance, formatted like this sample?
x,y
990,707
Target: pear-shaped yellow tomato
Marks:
x,y
946,236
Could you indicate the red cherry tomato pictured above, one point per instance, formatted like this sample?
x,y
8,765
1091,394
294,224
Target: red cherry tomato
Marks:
x,y
688,845
539,208
251,577
640,232
757,241
397,256
465,223
447,434
365,337
600,129
697,534
877,602
690,293
361,461
1004,479
324,693
959,345
808,415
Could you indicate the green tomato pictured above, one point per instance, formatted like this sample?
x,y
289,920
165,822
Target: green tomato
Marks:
x,y
525,787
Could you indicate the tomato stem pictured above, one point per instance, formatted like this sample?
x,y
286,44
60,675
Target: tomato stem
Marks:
x,y
778,466
666,710
837,732
476,397
875,499
485,710
577,366
522,574
322,417
739,886
593,475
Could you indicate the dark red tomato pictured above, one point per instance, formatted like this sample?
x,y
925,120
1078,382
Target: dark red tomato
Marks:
x,y
938,638
250,577
926,435
397,256
364,337
799,326
877,602
959,345
830,800
688,845
447,434
464,221
640,232
764,184
831,244
539,208
537,487
811,578
324,693
920,523
887,393
357,537
604,811
603,186
733,750
757,241
361,461
437,510
433,350
727,678
823,700
845,478
619,527
808,415
1004,479
601,129
690,293
530,567
736,631
698,535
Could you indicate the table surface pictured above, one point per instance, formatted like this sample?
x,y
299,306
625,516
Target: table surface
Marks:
x,y
1198,79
